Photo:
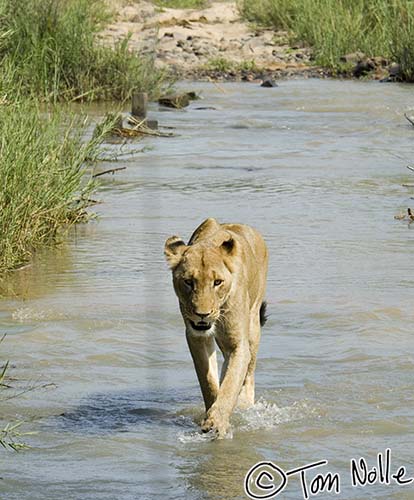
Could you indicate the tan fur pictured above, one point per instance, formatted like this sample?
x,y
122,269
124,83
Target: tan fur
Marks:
x,y
220,282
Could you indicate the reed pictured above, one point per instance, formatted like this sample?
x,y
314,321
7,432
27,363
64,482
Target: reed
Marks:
x,y
43,184
334,28
54,52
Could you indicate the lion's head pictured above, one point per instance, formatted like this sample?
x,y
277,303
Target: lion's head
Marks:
x,y
202,276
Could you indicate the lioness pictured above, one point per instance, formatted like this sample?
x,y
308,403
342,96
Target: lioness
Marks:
x,y
220,282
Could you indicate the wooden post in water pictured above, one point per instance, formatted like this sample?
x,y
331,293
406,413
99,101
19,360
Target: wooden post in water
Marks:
x,y
139,105
139,109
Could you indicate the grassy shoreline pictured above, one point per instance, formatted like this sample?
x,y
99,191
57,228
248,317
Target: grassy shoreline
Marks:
x,y
334,28
42,168
50,53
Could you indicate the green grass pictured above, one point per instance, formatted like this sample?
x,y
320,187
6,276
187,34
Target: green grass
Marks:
x,y
43,187
53,51
334,28
10,437
10,434
49,51
182,4
223,65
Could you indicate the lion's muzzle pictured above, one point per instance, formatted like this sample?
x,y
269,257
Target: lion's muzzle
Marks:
x,y
201,326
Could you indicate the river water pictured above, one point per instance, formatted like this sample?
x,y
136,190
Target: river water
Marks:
x,y
317,167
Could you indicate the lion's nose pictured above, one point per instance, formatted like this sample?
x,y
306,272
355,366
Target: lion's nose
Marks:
x,y
203,315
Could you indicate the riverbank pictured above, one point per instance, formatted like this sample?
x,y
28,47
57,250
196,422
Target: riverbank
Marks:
x,y
353,38
247,41
208,43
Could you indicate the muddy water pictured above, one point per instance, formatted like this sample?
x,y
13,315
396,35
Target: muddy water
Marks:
x,y
317,167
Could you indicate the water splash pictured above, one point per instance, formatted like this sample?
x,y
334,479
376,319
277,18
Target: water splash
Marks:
x,y
201,437
266,415
263,415
195,437
30,314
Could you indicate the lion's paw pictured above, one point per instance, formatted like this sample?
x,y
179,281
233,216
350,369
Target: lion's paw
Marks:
x,y
216,423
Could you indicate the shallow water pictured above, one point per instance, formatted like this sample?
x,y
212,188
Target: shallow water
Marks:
x,y
317,167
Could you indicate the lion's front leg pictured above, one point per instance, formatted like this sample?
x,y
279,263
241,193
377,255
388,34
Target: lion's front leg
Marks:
x,y
203,352
219,414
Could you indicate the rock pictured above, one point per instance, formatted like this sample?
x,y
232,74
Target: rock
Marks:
x,y
169,45
178,101
380,62
268,83
247,76
182,43
363,67
353,58
256,43
394,73
193,96
362,63
136,14
394,70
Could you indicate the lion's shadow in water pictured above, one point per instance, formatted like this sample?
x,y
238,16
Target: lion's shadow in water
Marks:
x,y
103,413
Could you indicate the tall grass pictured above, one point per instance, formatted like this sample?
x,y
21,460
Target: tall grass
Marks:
x,y
42,159
53,49
334,28
10,434
50,51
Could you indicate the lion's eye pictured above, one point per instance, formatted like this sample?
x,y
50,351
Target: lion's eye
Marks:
x,y
218,282
189,283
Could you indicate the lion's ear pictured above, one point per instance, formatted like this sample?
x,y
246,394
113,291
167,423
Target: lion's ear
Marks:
x,y
173,250
229,246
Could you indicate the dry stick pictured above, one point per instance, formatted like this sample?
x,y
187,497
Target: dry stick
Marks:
x,y
29,389
110,171
141,128
90,202
410,168
137,123
81,96
148,131
411,120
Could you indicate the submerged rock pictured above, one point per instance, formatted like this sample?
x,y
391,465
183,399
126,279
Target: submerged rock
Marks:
x,y
178,101
269,83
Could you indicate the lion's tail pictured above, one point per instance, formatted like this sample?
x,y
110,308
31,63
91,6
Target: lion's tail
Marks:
x,y
262,313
